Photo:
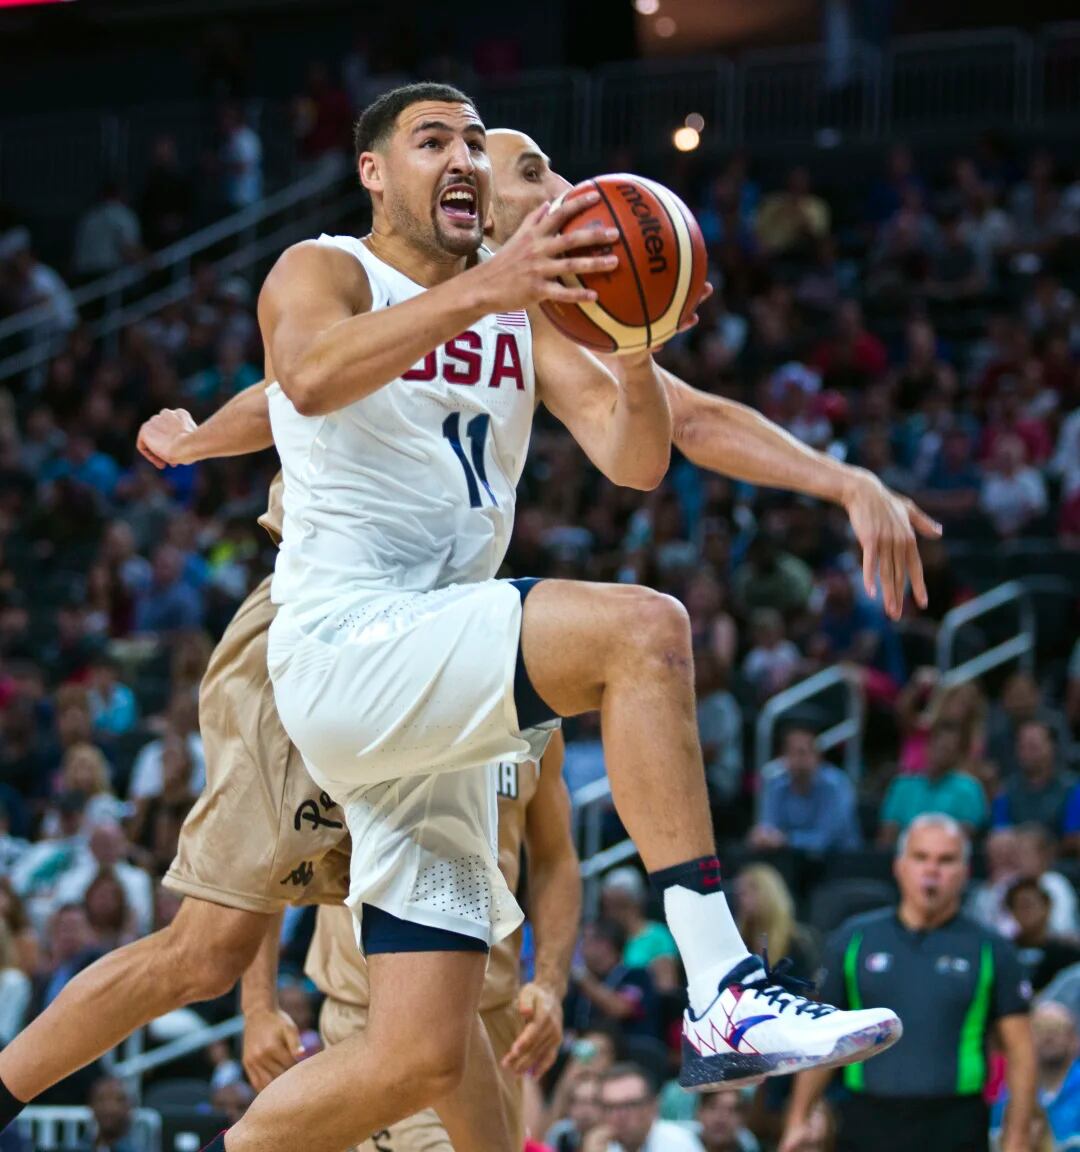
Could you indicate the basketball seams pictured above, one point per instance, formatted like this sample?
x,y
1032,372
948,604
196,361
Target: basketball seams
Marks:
x,y
617,223
653,189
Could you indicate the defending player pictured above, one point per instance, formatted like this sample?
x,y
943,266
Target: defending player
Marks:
x,y
401,667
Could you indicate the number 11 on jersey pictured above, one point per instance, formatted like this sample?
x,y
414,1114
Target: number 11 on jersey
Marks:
x,y
476,432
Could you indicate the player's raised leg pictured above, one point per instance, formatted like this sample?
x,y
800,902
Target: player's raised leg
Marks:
x,y
200,956
627,652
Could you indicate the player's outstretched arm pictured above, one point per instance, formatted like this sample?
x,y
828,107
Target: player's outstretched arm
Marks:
x,y
623,425
737,441
271,1040
239,427
328,349
555,912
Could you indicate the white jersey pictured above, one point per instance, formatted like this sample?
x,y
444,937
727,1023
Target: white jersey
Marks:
x,y
411,488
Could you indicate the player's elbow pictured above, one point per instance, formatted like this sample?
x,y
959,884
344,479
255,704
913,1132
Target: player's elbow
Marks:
x,y
644,476
306,388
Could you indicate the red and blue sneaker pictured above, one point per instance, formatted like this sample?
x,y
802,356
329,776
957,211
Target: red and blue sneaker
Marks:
x,y
761,1024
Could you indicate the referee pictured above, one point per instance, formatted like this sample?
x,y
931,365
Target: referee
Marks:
x,y
954,985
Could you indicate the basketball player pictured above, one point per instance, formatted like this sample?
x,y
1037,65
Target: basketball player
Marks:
x,y
226,913
401,668
534,813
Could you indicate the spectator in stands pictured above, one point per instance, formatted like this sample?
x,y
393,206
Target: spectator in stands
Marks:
x,y
923,372
155,827
322,118
853,357
1013,494
806,803
84,769
37,874
1042,954
954,484
1057,1055
791,222
24,938
229,375
943,789
147,775
1007,418
954,275
857,630
986,900
232,1100
923,701
583,1115
113,707
241,160
107,237
720,725
108,913
12,848
113,1117
1020,701
773,663
1036,852
25,282
649,944
1039,794
16,990
105,853
766,918
591,1055
628,1104
772,578
604,992
170,604
166,203
70,948
722,1119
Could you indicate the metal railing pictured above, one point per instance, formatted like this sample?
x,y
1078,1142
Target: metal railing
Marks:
x,y
55,1129
848,732
1020,646
134,1068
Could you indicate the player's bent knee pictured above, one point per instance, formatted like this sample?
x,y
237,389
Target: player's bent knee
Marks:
x,y
437,1066
661,628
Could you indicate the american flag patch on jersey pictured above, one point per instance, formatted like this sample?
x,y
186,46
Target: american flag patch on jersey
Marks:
x,y
512,319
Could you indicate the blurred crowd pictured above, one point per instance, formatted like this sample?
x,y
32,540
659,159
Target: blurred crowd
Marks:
x,y
929,330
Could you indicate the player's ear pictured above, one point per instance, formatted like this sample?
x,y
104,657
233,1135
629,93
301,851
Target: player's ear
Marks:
x,y
489,219
371,171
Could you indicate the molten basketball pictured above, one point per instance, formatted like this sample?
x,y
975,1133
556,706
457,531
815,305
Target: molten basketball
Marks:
x,y
661,273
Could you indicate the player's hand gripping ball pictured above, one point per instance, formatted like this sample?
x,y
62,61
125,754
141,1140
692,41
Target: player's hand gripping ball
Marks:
x,y
660,278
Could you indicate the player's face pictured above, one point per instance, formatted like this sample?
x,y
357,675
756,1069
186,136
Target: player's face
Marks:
x,y
522,180
434,177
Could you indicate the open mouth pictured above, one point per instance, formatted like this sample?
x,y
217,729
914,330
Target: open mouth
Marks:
x,y
459,203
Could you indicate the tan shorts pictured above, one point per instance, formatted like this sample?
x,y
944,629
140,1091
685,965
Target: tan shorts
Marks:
x,y
423,1132
262,835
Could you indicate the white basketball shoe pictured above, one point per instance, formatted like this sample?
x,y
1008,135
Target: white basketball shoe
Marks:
x,y
761,1025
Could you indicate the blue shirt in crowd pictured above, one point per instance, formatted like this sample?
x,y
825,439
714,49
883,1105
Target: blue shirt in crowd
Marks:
x,y
823,819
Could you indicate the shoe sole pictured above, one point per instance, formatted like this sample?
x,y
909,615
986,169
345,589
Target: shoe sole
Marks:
x,y
744,1070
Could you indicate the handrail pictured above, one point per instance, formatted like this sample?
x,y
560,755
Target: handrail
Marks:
x,y
137,1066
1019,646
181,252
848,732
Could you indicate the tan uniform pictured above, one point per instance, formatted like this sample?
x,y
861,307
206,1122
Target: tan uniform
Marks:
x,y
339,971
261,835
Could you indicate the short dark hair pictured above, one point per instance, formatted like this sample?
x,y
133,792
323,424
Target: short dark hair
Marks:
x,y
377,121
626,1069
610,932
1026,884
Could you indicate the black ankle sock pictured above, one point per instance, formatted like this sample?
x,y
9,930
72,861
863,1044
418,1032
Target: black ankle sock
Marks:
x,y
700,875
216,1145
10,1107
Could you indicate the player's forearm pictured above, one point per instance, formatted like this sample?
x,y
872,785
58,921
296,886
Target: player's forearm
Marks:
x,y
727,437
238,428
358,356
258,986
808,1089
638,449
555,911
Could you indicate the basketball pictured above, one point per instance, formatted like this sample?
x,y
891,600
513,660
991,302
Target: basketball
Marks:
x,y
661,273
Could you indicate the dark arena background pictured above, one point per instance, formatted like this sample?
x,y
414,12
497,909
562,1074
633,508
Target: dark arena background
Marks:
x,y
890,196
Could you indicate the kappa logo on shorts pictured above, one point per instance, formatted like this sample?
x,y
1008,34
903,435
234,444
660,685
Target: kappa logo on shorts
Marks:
x,y
381,1140
309,812
301,876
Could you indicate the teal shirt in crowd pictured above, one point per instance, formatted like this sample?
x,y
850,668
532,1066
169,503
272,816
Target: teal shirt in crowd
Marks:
x,y
955,794
652,942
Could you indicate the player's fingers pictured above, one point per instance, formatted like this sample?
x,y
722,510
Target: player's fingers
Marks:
x,y
553,290
583,265
580,238
923,524
149,453
528,1047
869,568
915,574
706,292
568,209
888,579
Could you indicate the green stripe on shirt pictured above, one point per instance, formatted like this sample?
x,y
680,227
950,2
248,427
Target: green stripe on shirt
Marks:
x,y
971,1056
854,1074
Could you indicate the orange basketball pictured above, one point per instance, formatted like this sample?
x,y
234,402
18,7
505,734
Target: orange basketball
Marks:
x,y
661,273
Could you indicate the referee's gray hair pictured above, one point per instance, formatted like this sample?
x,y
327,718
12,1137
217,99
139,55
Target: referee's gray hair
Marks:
x,y
935,820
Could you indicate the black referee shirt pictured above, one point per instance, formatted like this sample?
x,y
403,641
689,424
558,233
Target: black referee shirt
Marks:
x,y
948,986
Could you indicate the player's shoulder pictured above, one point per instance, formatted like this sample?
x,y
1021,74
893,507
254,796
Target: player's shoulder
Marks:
x,y
865,923
331,267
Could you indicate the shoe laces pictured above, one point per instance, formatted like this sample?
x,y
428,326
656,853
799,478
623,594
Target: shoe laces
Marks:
x,y
781,990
